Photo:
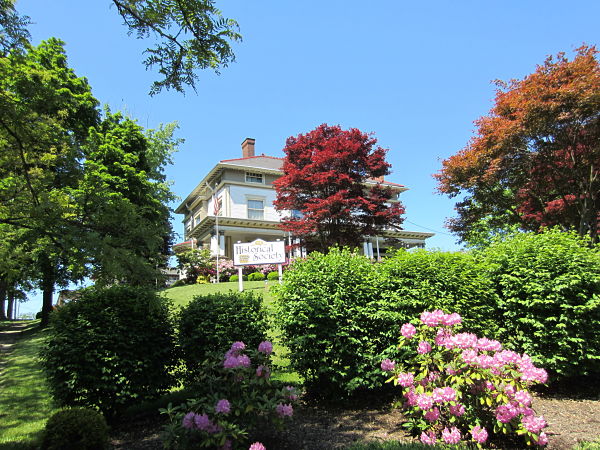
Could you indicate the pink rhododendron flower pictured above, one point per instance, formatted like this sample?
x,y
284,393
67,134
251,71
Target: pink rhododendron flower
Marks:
x,y
243,361
408,330
237,346
451,319
424,347
202,422
411,397
448,394
284,410
188,420
507,357
406,379
257,446
451,436
291,393
437,395
542,439
230,362
463,340
223,406
441,336
432,319
505,413
387,365
424,401
479,434
533,424
485,361
263,371
509,390
432,415
265,347
488,345
523,397
457,410
428,438
469,356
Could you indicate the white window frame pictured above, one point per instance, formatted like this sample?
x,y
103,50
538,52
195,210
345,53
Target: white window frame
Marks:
x,y
256,176
250,198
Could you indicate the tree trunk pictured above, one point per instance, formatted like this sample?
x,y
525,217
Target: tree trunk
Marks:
x,y
10,310
3,299
48,278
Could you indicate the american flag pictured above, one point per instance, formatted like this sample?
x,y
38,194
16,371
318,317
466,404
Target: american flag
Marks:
x,y
217,204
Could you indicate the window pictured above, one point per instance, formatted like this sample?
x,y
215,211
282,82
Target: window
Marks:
x,y
256,209
254,177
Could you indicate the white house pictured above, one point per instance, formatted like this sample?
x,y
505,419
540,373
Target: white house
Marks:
x,y
234,202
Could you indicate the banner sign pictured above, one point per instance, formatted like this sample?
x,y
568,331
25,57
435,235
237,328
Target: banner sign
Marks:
x,y
258,252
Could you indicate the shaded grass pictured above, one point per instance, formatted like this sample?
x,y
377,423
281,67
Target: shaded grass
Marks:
x,y
25,403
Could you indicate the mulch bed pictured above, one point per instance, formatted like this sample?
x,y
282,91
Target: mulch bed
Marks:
x,y
316,427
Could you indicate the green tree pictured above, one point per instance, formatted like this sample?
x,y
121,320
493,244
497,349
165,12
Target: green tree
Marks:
x,y
45,113
193,262
190,35
123,199
89,194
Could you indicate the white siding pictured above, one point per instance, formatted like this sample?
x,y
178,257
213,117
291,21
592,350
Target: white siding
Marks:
x,y
239,199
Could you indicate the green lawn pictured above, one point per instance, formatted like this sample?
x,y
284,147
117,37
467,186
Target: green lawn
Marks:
x,y
183,294
25,404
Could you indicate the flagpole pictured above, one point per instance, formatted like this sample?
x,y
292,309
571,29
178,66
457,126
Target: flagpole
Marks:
x,y
216,211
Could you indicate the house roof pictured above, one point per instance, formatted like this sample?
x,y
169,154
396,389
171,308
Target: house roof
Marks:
x,y
259,162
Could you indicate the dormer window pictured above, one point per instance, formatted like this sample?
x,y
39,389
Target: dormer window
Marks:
x,y
252,177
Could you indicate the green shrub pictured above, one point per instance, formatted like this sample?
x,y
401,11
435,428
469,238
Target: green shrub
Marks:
x,y
416,281
549,289
178,283
256,276
236,278
75,429
212,322
110,348
329,312
273,276
340,313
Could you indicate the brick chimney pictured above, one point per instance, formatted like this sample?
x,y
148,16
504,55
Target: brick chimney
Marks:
x,y
248,147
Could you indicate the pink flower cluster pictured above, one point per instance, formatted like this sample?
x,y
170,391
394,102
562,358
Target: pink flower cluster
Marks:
x,y
290,393
257,446
234,358
284,410
200,422
473,354
265,347
479,434
451,436
223,407
438,317
387,365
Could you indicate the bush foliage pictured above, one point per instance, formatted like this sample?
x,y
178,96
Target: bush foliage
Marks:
x,y
537,293
330,312
256,276
110,348
212,322
549,307
75,429
414,281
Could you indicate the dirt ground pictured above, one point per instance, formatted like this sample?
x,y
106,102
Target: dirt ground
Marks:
x,y
571,420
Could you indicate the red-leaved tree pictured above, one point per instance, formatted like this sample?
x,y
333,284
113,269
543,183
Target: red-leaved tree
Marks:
x,y
331,191
535,159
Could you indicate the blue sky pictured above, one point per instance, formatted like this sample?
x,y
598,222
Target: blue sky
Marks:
x,y
416,74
